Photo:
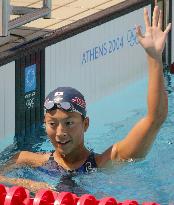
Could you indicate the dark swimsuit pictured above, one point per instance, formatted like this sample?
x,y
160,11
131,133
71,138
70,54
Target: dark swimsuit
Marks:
x,y
66,181
51,167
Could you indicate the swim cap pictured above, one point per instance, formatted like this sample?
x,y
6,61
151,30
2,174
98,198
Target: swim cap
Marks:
x,y
66,98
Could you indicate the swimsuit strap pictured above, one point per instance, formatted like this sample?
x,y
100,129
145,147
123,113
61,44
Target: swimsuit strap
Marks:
x,y
87,166
51,157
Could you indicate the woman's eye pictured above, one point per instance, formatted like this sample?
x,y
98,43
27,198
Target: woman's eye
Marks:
x,y
52,124
69,123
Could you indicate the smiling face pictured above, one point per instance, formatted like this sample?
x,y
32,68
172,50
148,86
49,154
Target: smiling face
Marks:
x,y
66,130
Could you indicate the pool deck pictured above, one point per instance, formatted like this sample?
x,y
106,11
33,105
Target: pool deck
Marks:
x,y
63,13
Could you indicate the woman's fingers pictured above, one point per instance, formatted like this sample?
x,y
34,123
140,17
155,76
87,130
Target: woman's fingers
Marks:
x,y
146,18
139,33
155,18
156,2
168,28
160,21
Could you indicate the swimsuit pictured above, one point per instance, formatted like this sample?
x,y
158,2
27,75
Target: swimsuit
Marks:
x,y
51,167
66,181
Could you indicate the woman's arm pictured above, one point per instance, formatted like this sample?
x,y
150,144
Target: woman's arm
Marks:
x,y
140,138
31,185
24,158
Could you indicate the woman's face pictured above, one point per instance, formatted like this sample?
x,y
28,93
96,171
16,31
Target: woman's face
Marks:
x,y
66,130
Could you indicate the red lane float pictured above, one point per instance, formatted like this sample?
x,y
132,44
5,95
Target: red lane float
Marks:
x,y
18,195
3,193
150,203
108,201
65,198
44,197
129,202
87,199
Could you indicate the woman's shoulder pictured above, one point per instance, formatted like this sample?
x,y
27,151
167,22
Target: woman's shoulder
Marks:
x,y
33,159
104,158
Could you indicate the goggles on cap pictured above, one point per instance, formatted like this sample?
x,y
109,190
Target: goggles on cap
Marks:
x,y
61,105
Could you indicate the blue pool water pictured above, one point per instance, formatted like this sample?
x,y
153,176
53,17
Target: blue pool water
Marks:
x,y
111,118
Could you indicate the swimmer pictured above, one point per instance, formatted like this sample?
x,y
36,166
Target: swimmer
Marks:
x,y
66,121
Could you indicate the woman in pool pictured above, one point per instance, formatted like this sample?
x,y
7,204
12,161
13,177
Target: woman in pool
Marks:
x,y
66,120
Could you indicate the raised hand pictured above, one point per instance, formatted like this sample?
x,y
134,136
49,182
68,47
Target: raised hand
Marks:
x,y
153,41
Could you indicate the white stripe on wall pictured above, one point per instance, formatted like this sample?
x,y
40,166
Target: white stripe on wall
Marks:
x,y
7,104
104,74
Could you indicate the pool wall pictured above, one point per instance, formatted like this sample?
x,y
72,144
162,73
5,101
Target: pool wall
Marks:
x,y
97,54
172,39
100,60
7,103
169,49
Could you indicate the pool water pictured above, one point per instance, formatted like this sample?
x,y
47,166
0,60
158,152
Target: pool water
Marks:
x,y
111,118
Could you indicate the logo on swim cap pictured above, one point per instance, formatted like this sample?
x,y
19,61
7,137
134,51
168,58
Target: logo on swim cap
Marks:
x,y
79,102
58,93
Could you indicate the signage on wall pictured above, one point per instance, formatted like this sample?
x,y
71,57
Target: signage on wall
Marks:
x,y
30,86
30,78
110,46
